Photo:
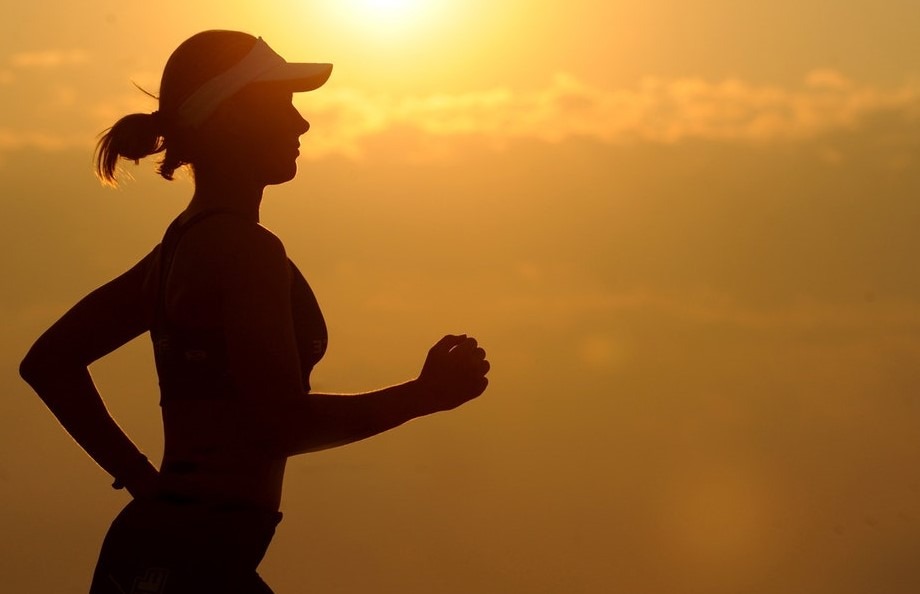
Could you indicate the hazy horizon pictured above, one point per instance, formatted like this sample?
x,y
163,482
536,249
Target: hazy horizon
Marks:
x,y
696,281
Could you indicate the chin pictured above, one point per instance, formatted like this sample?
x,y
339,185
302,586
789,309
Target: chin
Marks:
x,y
281,176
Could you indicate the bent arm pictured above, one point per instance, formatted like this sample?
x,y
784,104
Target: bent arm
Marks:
x,y
57,369
280,418
454,373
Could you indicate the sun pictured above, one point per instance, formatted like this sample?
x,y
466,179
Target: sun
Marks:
x,y
389,9
385,15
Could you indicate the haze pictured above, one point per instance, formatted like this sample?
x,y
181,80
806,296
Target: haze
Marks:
x,y
686,232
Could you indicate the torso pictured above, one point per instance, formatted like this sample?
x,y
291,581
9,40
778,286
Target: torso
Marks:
x,y
202,459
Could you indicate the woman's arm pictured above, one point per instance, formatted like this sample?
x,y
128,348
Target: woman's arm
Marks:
x,y
453,374
262,352
57,369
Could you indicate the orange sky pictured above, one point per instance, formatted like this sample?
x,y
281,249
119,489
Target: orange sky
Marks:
x,y
685,231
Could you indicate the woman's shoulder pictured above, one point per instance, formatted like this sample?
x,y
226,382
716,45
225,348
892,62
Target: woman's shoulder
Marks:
x,y
225,235
231,254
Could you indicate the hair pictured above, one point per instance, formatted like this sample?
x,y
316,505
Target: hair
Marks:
x,y
136,136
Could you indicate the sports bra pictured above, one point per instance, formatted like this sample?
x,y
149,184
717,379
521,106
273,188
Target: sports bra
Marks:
x,y
192,362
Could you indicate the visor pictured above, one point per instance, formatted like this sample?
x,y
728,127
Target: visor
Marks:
x,y
261,64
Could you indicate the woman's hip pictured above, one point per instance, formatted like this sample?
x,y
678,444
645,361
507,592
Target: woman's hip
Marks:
x,y
169,545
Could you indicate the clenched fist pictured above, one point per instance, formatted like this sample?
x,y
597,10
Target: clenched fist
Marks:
x,y
454,372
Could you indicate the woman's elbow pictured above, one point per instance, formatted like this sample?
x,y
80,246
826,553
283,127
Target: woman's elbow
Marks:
x,y
33,367
40,365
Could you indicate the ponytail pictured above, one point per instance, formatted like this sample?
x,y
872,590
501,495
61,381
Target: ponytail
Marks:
x,y
132,137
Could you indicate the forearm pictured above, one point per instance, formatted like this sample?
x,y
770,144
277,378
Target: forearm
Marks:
x,y
72,397
322,421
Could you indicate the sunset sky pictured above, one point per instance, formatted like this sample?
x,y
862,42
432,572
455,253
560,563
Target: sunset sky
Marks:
x,y
685,231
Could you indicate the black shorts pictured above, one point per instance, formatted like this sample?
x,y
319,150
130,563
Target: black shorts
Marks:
x,y
167,546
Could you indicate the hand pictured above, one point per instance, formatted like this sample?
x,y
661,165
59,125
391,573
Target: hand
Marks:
x,y
145,483
454,372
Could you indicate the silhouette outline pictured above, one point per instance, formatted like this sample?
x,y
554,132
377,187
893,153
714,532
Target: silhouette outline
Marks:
x,y
236,332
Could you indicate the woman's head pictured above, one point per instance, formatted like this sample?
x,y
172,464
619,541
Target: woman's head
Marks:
x,y
222,92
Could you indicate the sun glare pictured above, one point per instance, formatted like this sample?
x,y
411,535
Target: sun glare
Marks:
x,y
385,16
396,9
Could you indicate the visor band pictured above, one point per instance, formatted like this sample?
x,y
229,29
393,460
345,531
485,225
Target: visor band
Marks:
x,y
204,101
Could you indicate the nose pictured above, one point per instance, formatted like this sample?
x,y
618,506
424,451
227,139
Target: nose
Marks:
x,y
301,123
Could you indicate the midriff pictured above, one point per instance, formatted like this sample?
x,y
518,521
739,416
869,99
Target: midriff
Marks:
x,y
206,458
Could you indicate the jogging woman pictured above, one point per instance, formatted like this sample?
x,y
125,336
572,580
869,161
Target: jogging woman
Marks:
x,y
236,332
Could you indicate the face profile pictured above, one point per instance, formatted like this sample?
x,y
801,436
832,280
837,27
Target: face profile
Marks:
x,y
258,129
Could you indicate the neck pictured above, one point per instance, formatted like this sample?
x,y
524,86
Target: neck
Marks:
x,y
226,189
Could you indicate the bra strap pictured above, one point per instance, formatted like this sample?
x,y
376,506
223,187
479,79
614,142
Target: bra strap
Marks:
x,y
174,234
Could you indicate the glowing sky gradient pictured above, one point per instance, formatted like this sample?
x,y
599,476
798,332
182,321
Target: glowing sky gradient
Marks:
x,y
685,231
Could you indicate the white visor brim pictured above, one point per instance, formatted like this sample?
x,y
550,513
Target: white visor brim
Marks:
x,y
261,64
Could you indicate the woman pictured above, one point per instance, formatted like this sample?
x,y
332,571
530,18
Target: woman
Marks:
x,y
236,333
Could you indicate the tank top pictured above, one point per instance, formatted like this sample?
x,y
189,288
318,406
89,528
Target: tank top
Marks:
x,y
192,362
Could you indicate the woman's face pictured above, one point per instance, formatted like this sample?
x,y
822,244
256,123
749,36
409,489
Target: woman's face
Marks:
x,y
259,129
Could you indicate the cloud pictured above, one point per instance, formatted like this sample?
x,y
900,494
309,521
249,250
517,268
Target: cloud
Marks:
x,y
711,308
49,58
11,140
353,122
655,110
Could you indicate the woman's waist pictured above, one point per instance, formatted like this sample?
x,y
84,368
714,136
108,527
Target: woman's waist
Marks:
x,y
223,482
227,535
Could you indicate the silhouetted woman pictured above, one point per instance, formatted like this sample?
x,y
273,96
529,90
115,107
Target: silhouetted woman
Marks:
x,y
236,332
